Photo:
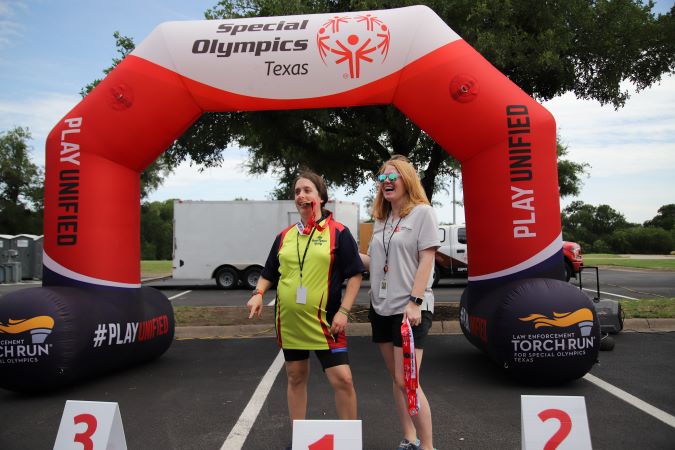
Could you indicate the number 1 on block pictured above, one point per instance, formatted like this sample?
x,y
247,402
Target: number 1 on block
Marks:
x,y
325,443
327,435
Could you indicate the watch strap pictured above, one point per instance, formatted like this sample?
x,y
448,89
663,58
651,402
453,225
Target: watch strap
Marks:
x,y
416,300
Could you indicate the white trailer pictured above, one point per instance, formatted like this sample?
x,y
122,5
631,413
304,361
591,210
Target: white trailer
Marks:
x,y
229,241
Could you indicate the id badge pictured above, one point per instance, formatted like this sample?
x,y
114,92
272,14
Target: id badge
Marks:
x,y
383,289
301,295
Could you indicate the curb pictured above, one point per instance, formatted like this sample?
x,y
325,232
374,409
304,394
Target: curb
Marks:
x,y
441,327
649,325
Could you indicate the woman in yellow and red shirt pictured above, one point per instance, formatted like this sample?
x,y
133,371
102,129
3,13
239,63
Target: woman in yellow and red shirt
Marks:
x,y
309,261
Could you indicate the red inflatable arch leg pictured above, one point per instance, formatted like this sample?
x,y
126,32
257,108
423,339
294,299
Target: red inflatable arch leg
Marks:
x,y
92,307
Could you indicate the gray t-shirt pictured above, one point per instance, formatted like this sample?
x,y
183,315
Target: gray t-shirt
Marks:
x,y
417,231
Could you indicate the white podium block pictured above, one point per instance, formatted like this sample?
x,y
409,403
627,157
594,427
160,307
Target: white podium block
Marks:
x,y
554,422
327,435
90,426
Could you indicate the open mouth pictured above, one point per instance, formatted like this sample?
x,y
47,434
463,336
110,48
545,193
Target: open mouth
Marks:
x,y
389,188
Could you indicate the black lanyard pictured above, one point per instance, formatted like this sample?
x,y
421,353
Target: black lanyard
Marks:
x,y
297,246
388,246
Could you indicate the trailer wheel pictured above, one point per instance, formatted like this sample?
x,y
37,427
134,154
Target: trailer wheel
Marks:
x,y
251,277
227,278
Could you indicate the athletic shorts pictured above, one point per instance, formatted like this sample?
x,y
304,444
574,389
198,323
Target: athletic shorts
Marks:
x,y
327,358
388,328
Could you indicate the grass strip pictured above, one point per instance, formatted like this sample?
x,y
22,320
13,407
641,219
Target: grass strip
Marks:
x,y
649,308
151,269
633,263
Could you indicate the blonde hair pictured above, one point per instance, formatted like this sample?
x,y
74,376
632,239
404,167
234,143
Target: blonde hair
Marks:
x,y
415,194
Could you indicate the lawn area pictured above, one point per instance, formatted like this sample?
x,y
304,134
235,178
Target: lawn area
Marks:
x,y
150,269
649,308
602,259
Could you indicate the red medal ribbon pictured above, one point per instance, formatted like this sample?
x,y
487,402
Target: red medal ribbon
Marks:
x,y
410,368
311,223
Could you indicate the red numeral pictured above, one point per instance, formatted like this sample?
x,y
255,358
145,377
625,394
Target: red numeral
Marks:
x,y
565,426
325,443
84,438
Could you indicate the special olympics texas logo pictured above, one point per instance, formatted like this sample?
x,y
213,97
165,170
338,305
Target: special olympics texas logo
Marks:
x,y
40,327
353,40
582,317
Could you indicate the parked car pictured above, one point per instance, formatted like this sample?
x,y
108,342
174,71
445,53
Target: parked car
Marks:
x,y
574,259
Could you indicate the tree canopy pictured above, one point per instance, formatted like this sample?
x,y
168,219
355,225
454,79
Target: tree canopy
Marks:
x,y
21,185
664,219
547,48
601,229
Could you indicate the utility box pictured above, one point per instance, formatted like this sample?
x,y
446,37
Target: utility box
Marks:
x,y
11,272
24,244
10,268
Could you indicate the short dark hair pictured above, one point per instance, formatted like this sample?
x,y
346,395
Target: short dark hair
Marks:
x,y
318,182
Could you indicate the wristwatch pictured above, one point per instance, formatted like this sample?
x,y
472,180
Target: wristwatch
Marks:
x,y
416,300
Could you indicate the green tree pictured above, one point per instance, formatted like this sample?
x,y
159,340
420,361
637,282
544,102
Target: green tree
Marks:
x,y
637,239
587,224
547,48
569,173
157,230
21,185
664,219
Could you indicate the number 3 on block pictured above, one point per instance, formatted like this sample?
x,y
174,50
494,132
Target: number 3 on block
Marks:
x,y
90,426
84,438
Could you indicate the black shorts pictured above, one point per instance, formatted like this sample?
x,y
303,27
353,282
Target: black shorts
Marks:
x,y
327,358
388,328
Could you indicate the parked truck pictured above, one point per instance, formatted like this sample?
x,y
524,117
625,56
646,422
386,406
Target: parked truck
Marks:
x,y
229,240
452,258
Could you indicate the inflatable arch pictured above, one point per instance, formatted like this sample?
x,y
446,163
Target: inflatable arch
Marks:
x,y
92,315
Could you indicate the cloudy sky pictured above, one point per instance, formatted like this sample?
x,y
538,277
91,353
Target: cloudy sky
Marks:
x,y
49,50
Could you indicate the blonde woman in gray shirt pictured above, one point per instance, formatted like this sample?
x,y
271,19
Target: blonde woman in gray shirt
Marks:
x,y
400,260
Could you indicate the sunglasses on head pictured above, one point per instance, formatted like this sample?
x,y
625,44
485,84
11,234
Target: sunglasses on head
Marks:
x,y
392,177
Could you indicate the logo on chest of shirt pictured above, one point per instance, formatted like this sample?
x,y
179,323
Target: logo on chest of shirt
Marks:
x,y
319,240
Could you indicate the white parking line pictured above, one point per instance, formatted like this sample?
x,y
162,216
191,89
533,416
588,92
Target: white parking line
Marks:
x,y
632,400
178,295
609,293
235,440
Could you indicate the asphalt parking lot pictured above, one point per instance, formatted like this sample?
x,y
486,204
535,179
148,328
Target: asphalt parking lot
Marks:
x,y
194,395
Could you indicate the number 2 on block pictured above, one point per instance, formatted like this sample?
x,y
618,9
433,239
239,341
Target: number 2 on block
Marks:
x,y
564,430
84,438
325,443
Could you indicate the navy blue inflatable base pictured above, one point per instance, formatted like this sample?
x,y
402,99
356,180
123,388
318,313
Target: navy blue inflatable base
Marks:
x,y
539,330
55,336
